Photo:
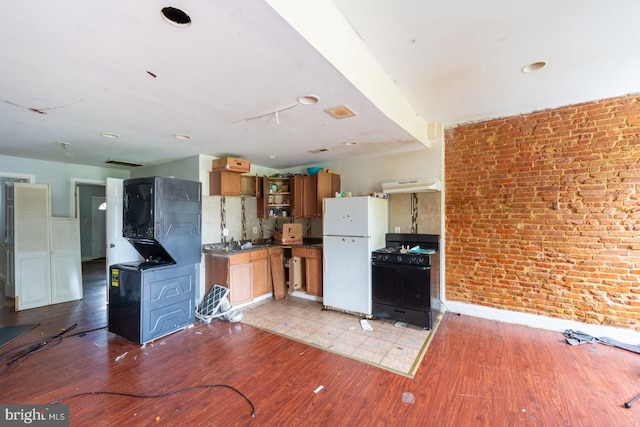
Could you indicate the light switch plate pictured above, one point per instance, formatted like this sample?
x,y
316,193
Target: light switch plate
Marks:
x,y
397,229
255,230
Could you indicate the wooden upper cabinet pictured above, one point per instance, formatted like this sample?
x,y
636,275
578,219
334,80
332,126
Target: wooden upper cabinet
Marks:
x,y
276,197
224,183
250,185
305,197
328,185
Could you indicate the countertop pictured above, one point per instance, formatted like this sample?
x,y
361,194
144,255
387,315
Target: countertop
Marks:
x,y
220,249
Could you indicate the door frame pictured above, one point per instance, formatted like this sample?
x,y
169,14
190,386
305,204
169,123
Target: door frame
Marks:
x,y
31,179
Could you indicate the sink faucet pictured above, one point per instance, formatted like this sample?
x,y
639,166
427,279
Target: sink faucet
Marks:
x,y
233,244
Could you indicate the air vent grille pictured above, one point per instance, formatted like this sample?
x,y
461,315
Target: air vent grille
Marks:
x,y
320,150
340,112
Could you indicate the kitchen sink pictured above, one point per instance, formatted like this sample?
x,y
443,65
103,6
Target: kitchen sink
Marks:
x,y
237,246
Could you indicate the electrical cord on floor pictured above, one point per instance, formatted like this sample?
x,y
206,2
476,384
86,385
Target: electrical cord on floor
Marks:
x,y
18,353
157,396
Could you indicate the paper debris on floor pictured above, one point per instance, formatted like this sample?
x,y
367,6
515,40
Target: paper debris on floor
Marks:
x,y
407,397
366,326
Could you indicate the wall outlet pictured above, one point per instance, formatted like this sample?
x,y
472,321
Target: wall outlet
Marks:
x,y
255,230
225,232
397,230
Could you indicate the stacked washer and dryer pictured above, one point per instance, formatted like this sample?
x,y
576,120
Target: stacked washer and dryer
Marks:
x,y
155,297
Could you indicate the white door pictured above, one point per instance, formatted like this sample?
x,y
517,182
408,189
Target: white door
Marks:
x,y
66,263
32,222
118,248
346,276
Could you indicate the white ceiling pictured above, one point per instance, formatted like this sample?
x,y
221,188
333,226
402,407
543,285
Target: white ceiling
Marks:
x,y
73,69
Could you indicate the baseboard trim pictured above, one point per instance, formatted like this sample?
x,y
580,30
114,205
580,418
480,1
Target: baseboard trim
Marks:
x,y
628,336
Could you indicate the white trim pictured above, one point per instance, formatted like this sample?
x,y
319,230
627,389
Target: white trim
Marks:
x,y
73,200
29,177
628,336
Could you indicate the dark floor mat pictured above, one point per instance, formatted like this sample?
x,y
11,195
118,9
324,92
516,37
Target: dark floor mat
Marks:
x,y
9,333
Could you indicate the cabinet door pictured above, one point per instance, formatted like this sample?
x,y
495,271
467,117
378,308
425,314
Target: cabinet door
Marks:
x,y
240,288
262,198
224,183
305,197
249,185
328,184
313,267
260,274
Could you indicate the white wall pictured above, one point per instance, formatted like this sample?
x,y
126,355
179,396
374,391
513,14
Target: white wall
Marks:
x,y
59,177
365,175
186,168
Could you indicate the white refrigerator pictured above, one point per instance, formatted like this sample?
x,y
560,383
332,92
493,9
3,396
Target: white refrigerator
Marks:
x,y
352,228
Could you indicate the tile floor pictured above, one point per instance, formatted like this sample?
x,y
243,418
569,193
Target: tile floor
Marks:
x,y
393,347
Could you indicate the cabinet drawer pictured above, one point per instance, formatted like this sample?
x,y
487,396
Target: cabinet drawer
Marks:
x,y
258,254
299,252
307,253
276,250
240,258
314,253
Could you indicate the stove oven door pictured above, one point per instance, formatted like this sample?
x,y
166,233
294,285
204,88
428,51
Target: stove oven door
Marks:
x,y
401,292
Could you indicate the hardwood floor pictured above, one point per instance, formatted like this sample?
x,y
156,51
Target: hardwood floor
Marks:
x,y
475,373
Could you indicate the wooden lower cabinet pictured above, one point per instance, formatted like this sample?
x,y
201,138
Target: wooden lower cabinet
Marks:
x,y
260,277
247,274
310,260
240,280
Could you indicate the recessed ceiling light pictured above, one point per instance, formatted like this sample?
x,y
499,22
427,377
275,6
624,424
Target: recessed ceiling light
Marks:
x,y
274,156
308,99
182,136
110,135
351,143
534,66
175,16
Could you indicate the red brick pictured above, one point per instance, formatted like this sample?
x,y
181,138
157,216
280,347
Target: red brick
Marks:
x,y
508,248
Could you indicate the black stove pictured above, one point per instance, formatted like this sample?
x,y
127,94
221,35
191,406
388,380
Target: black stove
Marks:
x,y
405,280
403,255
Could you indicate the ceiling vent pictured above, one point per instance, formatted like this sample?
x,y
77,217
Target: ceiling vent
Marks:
x,y
320,150
123,163
340,112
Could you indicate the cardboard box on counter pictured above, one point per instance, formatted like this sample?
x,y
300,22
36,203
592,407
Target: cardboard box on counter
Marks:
x,y
291,234
231,164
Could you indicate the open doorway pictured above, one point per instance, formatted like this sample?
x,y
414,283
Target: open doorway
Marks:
x,y
91,205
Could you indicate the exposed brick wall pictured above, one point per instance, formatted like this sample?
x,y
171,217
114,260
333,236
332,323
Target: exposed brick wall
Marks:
x,y
509,246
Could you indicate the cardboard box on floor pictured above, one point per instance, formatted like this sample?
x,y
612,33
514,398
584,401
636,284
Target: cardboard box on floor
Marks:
x,y
291,234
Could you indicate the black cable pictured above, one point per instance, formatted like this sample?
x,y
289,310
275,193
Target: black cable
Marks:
x,y
17,353
12,352
42,345
156,396
39,346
